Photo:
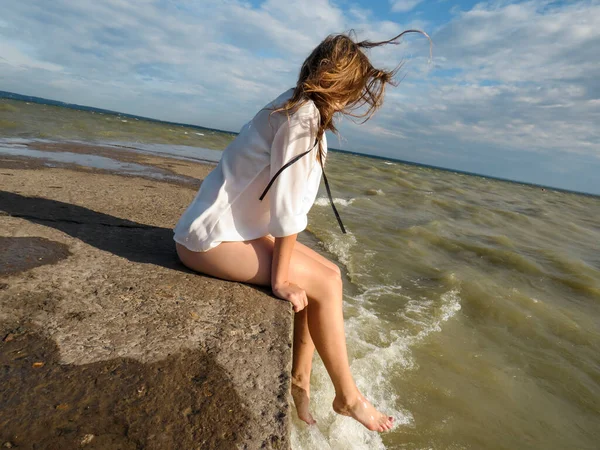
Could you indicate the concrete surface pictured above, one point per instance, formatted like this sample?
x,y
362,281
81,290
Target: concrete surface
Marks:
x,y
106,340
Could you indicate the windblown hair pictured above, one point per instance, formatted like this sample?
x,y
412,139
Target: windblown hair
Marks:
x,y
338,72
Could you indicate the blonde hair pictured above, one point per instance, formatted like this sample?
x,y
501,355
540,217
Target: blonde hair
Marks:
x,y
338,72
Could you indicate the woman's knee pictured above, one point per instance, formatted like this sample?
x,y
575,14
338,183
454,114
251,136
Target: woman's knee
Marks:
x,y
332,285
336,280
332,266
337,270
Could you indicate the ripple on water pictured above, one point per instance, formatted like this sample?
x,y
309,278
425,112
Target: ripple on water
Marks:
x,y
467,248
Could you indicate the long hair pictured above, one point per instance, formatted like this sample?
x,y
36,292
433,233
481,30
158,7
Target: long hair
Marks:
x,y
339,73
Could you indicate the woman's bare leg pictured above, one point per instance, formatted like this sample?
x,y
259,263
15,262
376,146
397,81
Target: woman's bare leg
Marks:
x,y
324,312
304,347
303,351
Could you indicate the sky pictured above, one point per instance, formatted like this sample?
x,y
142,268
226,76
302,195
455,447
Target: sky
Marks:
x,y
512,90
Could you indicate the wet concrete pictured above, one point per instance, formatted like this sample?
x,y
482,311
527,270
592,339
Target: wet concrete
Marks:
x,y
135,349
126,150
52,159
95,158
18,254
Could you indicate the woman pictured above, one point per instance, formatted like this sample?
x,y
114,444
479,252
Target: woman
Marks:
x,y
243,223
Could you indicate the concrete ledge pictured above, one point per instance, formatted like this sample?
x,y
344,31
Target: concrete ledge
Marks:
x,y
107,341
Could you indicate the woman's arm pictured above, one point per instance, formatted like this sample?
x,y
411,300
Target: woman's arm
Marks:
x,y
280,265
288,207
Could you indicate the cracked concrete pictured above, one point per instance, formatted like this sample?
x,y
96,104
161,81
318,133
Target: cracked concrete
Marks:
x,y
105,334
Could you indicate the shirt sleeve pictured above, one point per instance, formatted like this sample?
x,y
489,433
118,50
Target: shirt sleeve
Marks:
x,y
295,136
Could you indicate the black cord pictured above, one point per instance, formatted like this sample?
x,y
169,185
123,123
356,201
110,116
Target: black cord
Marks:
x,y
292,161
335,211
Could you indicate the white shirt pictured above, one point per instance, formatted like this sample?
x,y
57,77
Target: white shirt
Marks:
x,y
227,205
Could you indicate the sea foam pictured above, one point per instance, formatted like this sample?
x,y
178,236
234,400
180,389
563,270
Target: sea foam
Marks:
x,y
371,371
323,201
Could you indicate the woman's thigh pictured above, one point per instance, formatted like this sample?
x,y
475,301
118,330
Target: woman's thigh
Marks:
x,y
250,262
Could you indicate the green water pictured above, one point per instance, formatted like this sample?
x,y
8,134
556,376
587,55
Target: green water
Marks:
x,y
31,120
472,305
473,309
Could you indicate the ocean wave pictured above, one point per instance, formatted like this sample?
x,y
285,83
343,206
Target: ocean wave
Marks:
x,y
509,258
340,245
405,183
428,314
374,292
371,370
324,201
374,192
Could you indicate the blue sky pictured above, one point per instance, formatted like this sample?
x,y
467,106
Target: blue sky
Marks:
x,y
513,89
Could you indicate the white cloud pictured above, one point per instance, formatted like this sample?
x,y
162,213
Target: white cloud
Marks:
x,y
220,51
16,57
505,77
404,5
532,41
520,76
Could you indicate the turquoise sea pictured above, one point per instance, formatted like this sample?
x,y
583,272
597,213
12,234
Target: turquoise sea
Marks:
x,y
472,306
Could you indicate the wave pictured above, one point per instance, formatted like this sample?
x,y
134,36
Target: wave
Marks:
x,y
405,183
371,369
509,258
374,192
340,245
324,201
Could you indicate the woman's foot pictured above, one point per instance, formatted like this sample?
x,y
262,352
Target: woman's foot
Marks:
x,y
301,395
360,409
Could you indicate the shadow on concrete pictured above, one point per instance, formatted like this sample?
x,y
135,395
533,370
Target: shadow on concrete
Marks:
x,y
134,241
184,401
131,240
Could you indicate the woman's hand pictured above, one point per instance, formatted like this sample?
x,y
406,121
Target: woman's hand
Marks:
x,y
292,293
282,254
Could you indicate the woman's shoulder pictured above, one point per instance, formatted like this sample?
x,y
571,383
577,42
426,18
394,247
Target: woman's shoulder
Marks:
x,y
305,107
308,108
304,114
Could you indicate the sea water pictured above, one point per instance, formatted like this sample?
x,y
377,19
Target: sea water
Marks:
x,y
472,310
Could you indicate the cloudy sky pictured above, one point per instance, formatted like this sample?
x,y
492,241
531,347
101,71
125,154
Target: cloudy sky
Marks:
x,y
513,89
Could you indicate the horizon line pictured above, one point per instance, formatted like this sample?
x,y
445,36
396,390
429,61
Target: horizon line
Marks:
x,y
45,101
